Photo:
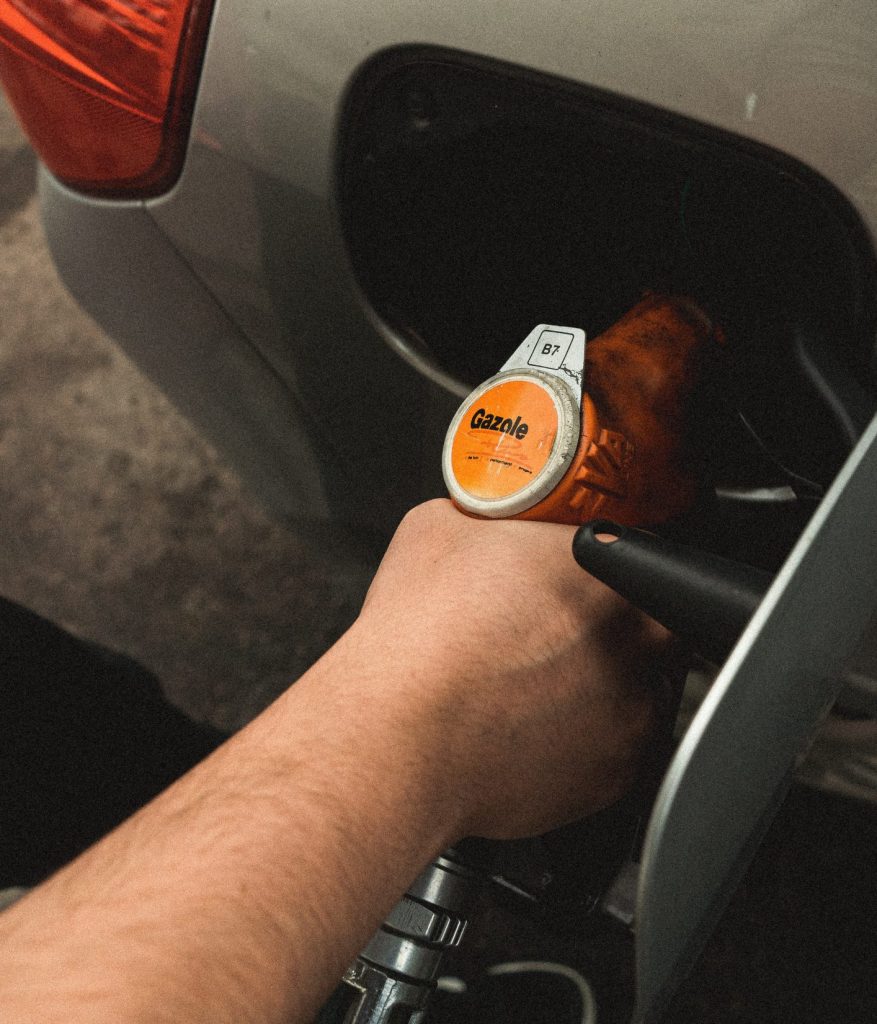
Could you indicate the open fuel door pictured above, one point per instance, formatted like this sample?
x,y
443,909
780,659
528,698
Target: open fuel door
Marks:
x,y
731,769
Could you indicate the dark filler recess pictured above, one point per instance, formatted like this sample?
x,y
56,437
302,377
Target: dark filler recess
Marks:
x,y
478,199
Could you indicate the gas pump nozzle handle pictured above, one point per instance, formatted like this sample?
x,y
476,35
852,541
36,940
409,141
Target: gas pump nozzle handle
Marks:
x,y
703,598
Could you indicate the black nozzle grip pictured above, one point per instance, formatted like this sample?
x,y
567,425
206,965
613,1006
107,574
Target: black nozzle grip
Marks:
x,y
703,598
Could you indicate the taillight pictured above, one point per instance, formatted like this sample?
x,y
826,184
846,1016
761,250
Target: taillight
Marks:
x,y
104,88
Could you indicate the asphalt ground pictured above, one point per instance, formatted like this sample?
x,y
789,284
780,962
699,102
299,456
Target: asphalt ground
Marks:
x,y
123,525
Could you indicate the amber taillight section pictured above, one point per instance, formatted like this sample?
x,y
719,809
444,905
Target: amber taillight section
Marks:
x,y
104,88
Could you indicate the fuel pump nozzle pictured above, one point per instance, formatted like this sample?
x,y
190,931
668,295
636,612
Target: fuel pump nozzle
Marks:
x,y
559,435
568,432
393,978
702,598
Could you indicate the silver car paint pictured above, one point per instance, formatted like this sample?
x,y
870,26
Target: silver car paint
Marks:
x,y
800,75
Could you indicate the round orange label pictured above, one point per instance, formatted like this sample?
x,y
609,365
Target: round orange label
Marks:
x,y
504,439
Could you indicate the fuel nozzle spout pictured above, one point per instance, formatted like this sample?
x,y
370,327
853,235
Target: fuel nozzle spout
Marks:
x,y
703,598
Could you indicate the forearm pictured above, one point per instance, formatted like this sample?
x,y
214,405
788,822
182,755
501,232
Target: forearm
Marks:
x,y
242,892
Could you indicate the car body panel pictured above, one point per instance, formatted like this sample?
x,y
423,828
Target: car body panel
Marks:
x,y
254,212
801,77
181,335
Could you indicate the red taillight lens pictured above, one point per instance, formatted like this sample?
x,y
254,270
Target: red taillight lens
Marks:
x,y
104,88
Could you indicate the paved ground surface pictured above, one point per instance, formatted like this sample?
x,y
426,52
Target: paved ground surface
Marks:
x,y
119,522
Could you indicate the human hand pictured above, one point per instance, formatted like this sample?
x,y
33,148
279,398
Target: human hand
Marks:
x,y
534,687
489,687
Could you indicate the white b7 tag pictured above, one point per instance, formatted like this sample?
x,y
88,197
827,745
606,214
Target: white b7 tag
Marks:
x,y
559,351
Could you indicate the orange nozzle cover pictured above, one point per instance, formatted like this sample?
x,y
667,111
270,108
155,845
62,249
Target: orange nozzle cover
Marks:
x,y
629,457
514,438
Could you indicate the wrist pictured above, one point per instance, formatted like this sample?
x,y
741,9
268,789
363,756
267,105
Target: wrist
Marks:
x,y
382,727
